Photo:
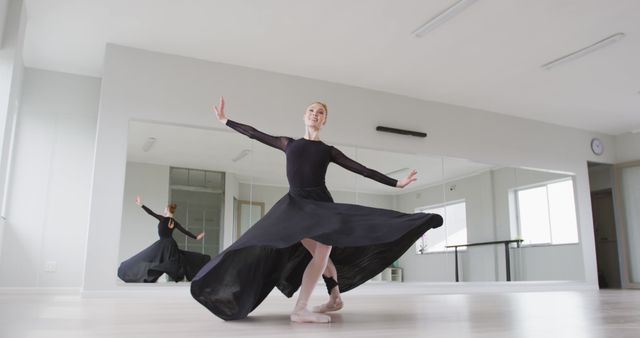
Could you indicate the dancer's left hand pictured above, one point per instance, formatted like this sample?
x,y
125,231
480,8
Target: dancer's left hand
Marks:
x,y
410,178
200,236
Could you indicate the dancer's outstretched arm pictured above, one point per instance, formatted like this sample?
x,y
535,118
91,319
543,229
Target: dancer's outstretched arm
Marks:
x,y
149,211
279,142
185,231
342,160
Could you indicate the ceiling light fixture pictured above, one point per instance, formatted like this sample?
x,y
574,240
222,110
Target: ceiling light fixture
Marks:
x,y
401,131
241,155
146,146
584,51
443,16
397,171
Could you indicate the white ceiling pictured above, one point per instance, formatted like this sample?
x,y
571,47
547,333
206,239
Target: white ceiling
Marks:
x,y
209,149
487,57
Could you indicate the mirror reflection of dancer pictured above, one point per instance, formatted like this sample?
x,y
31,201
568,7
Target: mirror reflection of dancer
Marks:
x,y
163,256
306,235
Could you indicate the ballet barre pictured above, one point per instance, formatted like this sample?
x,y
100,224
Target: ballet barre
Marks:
x,y
507,254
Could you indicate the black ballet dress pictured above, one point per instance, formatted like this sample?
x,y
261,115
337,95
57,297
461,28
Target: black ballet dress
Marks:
x,y
365,240
163,256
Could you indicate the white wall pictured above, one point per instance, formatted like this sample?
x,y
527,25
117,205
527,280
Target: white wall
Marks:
x,y
546,263
171,89
139,229
627,147
48,206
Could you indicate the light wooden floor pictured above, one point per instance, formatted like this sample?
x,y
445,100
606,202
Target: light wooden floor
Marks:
x,y
367,314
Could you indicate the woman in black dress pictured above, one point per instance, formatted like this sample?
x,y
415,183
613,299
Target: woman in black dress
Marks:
x,y
163,256
306,234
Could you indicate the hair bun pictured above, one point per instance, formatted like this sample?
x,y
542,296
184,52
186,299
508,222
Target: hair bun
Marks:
x,y
172,207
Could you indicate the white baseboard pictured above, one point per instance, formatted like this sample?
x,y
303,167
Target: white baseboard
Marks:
x,y
40,290
369,288
470,287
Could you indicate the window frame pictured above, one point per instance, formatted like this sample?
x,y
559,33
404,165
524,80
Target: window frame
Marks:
x,y
516,209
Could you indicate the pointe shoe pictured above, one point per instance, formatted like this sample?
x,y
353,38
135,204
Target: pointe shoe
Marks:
x,y
328,307
305,316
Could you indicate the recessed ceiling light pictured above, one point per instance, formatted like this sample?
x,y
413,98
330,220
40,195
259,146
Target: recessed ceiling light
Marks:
x,y
443,16
584,51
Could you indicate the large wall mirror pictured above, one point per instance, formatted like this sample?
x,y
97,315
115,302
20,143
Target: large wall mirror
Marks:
x,y
501,223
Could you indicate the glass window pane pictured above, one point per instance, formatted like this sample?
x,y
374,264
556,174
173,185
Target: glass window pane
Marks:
x,y
456,224
455,229
564,226
435,240
533,212
213,180
179,176
196,178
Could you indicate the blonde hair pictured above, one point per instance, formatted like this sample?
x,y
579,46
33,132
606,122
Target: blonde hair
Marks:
x,y
326,110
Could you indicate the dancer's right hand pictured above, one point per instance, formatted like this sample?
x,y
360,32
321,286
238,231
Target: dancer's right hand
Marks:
x,y
220,111
410,178
138,200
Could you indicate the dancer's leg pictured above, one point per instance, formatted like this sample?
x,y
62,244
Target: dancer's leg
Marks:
x,y
311,276
335,302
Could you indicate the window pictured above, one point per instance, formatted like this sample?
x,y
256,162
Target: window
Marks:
x,y
200,198
452,232
547,214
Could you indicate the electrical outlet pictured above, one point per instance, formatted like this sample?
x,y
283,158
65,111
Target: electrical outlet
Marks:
x,y
50,266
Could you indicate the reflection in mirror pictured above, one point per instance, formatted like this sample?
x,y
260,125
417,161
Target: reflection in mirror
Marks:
x,y
248,213
224,182
507,224
202,171
545,218
268,181
200,197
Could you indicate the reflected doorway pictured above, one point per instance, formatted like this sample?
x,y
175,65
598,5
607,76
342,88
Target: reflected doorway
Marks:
x,y
604,226
247,214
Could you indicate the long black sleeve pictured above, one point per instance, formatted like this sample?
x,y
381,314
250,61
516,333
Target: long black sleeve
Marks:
x,y
183,230
342,160
150,212
279,142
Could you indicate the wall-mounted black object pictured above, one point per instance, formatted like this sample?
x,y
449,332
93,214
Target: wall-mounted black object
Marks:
x,y
401,131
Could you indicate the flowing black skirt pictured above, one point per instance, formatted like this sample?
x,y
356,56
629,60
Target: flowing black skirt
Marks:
x,y
365,241
163,256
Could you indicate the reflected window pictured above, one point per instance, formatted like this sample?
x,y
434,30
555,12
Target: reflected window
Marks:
x,y
199,195
547,214
452,232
